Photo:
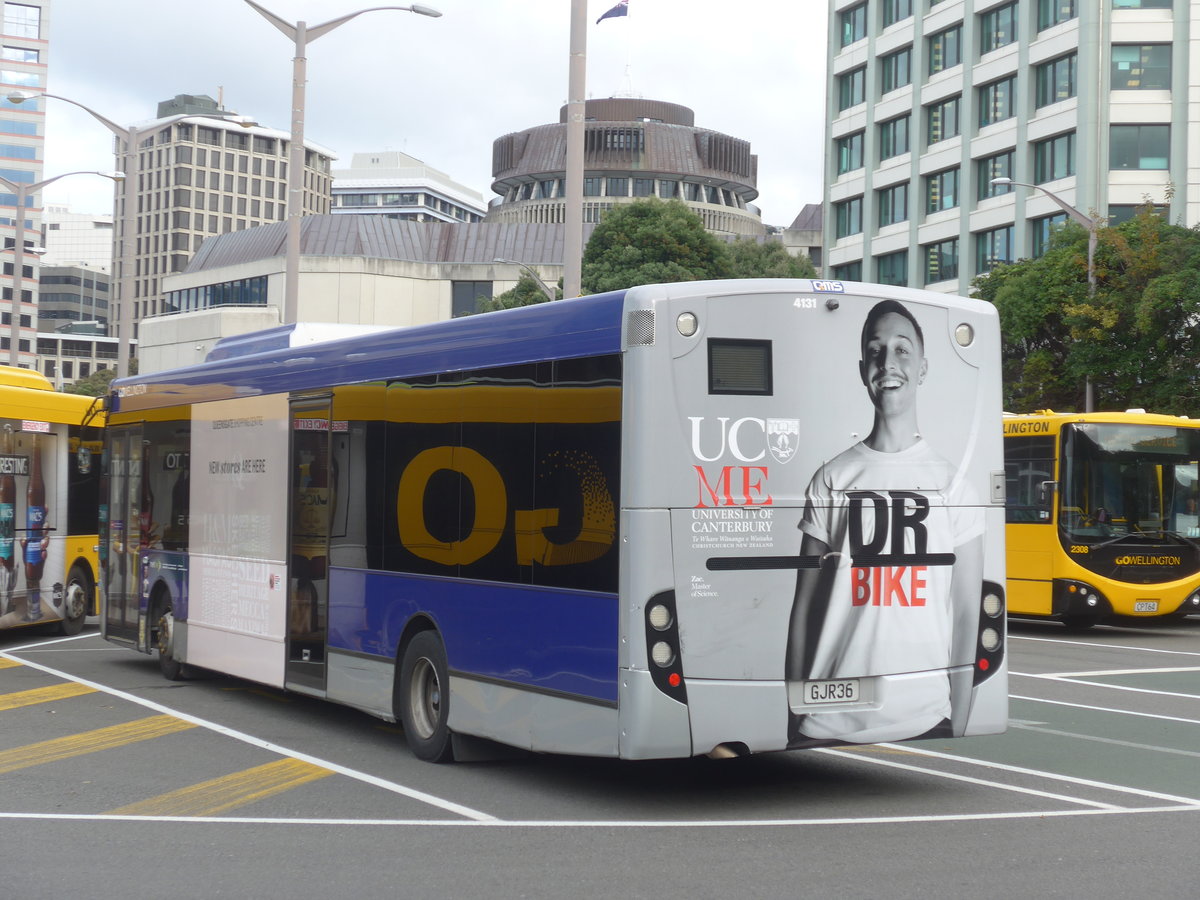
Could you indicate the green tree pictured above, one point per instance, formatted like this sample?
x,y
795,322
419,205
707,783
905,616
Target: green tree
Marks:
x,y
525,293
1137,336
749,258
97,384
648,242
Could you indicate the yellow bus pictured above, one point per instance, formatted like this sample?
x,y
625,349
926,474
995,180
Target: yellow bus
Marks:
x,y
50,454
1102,515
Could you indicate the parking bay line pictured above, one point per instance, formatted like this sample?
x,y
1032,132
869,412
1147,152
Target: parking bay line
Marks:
x,y
48,694
412,793
90,741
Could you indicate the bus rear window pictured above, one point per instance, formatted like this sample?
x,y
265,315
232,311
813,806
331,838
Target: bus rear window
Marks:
x,y
739,366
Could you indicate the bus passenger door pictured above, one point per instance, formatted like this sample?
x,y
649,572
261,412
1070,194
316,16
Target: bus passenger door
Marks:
x,y
312,482
121,537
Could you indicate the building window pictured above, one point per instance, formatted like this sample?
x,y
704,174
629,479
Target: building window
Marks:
x,y
998,166
21,20
1041,230
941,261
852,88
892,268
941,190
465,296
1139,146
896,69
848,271
853,24
591,187
848,217
893,137
21,54
941,120
996,101
1055,12
1144,67
850,153
1054,158
945,50
1142,4
617,187
896,10
893,204
668,189
1123,212
997,27
1055,80
642,187
993,248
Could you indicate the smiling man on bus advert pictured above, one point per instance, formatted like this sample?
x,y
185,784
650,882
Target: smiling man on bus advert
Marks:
x,y
893,535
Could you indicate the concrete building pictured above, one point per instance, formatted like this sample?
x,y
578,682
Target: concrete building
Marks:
x,y
931,100
203,176
79,239
397,186
361,270
24,33
633,148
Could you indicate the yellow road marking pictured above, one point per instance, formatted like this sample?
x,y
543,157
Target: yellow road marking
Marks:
x,y
43,695
89,742
8,663
210,798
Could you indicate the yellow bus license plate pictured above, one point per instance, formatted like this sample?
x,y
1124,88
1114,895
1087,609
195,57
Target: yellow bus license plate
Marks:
x,y
1145,606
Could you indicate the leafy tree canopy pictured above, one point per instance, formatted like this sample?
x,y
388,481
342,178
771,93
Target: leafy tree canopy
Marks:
x,y
1136,336
647,242
768,259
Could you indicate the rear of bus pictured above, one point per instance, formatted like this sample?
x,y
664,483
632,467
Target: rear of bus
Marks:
x,y
812,525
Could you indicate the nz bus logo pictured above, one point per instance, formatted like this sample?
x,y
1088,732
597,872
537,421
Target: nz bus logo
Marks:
x,y
783,438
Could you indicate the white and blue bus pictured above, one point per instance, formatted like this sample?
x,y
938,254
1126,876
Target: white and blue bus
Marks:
x,y
677,520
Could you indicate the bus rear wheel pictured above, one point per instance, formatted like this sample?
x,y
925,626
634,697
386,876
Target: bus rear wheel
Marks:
x,y
423,698
77,600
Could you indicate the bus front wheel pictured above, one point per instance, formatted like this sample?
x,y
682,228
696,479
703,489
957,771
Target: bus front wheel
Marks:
x,y
164,639
423,698
77,600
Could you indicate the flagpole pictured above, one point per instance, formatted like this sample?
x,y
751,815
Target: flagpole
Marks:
x,y
576,109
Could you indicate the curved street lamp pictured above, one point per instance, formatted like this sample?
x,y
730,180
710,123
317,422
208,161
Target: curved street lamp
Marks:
x,y
300,34
23,192
1093,225
546,289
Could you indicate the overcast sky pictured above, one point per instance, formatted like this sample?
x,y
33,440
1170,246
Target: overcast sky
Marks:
x,y
442,89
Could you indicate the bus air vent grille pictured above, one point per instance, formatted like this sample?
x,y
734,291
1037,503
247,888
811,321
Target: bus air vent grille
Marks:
x,y
640,327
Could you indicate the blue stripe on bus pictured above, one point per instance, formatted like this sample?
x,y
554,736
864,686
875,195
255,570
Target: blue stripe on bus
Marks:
x,y
585,326
545,639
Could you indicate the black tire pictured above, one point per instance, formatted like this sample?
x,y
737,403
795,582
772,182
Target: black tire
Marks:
x,y
164,624
423,698
78,597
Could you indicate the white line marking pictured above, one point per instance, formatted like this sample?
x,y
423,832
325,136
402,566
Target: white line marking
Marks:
x,y
1104,672
893,764
412,793
1103,740
616,823
1107,709
1053,776
1101,645
1099,684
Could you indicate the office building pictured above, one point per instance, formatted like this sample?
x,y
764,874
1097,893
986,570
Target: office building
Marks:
x,y
397,186
931,100
23,33
633,148
202,175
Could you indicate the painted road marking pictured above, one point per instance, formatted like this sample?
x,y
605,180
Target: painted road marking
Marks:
x,y
48,694
219,795
90,741
8,663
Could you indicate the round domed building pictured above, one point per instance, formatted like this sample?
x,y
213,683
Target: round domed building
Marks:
x,y
633,149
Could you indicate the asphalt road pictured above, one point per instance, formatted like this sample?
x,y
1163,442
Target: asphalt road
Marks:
x,y
116,783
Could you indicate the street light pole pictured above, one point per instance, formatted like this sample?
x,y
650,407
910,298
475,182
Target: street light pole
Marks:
x,y
546,289
1092,224
300,34
129,138
23,192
